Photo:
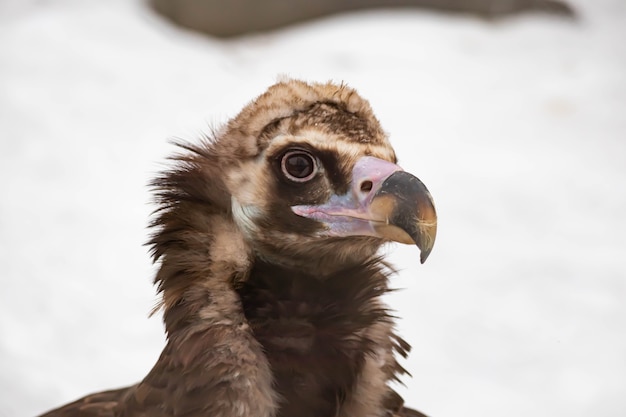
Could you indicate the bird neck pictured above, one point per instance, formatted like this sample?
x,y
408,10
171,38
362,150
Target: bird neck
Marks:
x,y
315,329
347,300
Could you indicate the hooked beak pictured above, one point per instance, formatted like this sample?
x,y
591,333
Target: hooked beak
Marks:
x,y
383,201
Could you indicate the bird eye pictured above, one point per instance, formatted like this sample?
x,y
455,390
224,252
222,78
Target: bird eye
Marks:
x,y
298,166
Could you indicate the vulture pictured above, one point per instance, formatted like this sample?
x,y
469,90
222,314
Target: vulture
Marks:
x,y
267,237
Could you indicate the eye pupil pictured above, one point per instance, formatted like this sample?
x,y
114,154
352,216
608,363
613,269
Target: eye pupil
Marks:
x,y
299,166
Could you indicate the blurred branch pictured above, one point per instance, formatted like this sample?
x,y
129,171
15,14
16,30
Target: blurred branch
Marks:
x,y
236,17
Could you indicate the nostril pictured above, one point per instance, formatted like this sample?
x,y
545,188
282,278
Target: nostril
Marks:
x,y
366,186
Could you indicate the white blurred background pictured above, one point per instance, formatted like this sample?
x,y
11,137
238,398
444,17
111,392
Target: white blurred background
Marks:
x,y
517,126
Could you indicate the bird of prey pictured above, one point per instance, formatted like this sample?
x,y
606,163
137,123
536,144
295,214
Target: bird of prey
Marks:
x,y
267,236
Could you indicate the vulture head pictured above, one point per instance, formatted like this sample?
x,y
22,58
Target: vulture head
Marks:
x,y
307,177
267,236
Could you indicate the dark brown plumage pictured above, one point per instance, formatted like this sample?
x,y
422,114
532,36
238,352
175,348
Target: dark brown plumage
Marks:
x,y
267,238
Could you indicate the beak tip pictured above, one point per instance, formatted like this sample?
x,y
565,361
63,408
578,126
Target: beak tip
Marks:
x,y
425,240
424,255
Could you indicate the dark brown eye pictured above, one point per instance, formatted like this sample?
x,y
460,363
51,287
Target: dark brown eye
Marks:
x,y
298,165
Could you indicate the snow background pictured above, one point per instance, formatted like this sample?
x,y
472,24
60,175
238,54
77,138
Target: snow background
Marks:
x,y
517,128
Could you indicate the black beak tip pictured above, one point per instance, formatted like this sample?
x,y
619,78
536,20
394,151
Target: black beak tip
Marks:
x,y
424,255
